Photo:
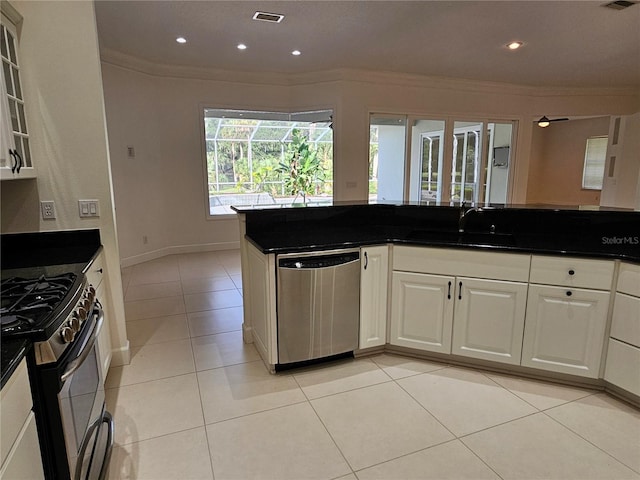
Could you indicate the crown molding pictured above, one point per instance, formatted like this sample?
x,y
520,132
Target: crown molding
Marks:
x,y
119,59
10,12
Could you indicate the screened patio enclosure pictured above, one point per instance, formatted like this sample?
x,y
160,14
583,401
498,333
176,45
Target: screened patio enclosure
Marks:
x,y
249,158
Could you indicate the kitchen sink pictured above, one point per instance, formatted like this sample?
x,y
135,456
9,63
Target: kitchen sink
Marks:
x,y
463,238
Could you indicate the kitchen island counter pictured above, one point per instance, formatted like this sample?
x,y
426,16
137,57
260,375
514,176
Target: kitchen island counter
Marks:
x,y
613,234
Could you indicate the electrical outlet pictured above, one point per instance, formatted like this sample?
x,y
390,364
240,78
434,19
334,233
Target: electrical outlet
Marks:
x,y
48,210
89,208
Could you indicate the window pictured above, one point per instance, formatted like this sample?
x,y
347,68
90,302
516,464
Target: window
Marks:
x,y
478,171
15,135
594,159
386,158
267,158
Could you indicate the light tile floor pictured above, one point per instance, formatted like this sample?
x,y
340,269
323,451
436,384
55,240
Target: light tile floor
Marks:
x,y
197,403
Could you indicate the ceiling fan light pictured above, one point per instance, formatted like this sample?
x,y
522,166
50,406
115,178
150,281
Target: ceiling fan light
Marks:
x,y
543,122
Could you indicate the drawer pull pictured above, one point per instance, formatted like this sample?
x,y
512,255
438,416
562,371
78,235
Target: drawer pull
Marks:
x,y
572,272
569,293
449,292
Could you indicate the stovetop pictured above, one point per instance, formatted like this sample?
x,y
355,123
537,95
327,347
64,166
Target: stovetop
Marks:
x,y
34,306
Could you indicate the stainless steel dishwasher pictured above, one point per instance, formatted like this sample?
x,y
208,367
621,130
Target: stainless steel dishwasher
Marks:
x,y
318,304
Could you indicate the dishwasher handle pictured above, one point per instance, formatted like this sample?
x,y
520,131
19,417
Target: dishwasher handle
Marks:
x,y
318,261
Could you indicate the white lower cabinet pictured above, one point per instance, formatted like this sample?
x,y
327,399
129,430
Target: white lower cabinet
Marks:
x,y
565,329
422,311
374,271
96,276
19,447
623,355
24,461
489,319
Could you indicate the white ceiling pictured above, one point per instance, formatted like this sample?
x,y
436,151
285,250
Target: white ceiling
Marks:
x,y
566,43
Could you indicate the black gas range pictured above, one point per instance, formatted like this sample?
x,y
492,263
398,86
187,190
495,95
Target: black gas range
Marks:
x,y
57,310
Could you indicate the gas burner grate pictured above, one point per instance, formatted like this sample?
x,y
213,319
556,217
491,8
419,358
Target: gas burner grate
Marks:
x,y
24,301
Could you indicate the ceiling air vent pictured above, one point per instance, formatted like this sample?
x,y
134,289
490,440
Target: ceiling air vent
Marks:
x,y
619,4
268,17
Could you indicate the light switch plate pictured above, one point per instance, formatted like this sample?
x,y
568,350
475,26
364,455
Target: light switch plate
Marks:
x,y
48,209
89,208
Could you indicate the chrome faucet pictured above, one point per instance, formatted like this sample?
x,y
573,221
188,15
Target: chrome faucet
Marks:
x,y
462,221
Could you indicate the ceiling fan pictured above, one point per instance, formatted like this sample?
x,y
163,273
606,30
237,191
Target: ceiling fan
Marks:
x,y
545,122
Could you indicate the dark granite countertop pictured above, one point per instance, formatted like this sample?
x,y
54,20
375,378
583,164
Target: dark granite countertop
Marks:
x,y
30,255
13,351
610,233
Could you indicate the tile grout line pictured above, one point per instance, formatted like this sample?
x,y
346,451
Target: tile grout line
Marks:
x,y
423,407
195,366
324,426
586,439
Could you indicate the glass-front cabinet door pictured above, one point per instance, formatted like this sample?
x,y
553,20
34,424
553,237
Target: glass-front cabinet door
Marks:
x,y
15,151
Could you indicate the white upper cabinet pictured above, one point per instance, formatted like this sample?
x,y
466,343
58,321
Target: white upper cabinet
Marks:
x,y
374,271
15,151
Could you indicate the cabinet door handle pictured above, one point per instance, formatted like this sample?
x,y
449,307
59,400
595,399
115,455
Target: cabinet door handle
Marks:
x,y
572,272
569,293
460,291
19,160
449,292
15,161
366,260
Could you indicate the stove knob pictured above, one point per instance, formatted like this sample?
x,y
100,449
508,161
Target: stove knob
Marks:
x,y
74,323
67,335
91,292
82,314
86,304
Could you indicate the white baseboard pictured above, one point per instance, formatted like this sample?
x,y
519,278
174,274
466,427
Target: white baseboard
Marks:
x,y
174,250
121,356
247,333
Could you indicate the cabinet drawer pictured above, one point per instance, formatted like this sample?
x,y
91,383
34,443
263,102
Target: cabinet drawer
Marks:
x,y
15,405
572,272
629,279
95,273
623,366
464,263
625,325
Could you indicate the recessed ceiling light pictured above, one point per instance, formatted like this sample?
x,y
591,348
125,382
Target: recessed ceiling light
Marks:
x,y
514,45
242,46
296,52
181,40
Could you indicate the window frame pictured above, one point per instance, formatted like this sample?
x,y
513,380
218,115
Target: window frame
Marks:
x,y
300,115
603,161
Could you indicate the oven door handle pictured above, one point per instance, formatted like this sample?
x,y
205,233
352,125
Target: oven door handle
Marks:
x,y
77,362
104,468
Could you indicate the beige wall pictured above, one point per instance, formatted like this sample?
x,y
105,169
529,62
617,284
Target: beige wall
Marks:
x,y
60,71
161,193
557,162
